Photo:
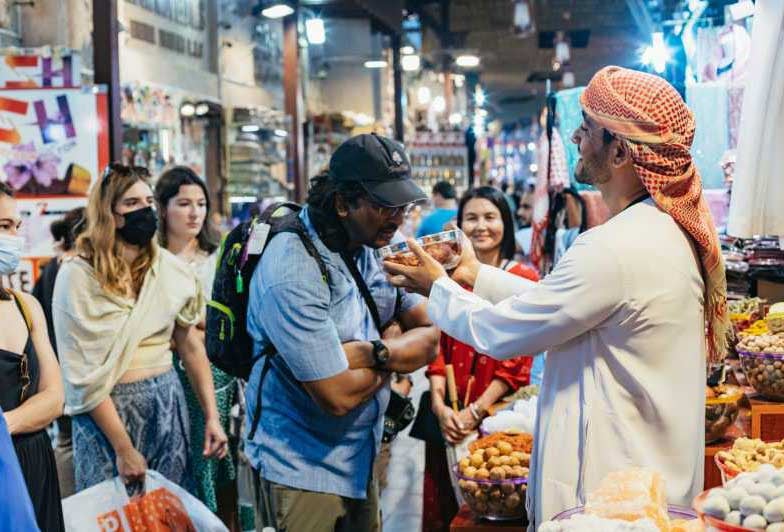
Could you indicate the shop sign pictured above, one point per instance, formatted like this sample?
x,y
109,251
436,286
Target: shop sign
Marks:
x,y
53,145
23,279
43,67
52,141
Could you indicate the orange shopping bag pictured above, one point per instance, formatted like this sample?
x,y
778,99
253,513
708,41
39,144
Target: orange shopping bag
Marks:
x,y
163,507
157,511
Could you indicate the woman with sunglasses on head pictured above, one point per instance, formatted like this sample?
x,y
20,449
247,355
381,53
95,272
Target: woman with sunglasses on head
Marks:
x,y
31,389
485,217
116,308
186,231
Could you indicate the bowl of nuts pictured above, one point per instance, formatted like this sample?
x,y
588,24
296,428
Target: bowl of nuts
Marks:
x,y
747,456
762,359
494,477
446,247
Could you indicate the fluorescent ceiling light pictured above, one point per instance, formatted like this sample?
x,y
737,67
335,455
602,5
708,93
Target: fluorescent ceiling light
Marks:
x,y
252,128
314,29
467,61
277,11
202,109
281,133
187,109
375,63
407,50
243,199
455,119
410,63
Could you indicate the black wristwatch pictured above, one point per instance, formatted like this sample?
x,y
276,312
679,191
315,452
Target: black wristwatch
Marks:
x,y
380,354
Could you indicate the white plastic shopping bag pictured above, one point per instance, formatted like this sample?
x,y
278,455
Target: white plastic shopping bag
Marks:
x,y
163,507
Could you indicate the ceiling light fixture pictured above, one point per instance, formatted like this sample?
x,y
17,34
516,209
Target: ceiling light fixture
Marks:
x,y
467,61
250,128
314,29
407,50
202,109
281,133
375,63
455,119
277,10
187,109
410,63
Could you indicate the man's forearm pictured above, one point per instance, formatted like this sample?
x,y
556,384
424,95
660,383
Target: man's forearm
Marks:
x,y
408,352
342,393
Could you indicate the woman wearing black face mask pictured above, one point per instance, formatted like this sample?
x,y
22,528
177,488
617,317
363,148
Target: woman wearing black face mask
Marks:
x,y
116,308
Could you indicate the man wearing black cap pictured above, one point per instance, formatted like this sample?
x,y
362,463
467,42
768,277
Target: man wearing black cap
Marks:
x,y
328,387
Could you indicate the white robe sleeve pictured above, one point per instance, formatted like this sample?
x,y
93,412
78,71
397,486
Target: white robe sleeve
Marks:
x,y
495,284
586,287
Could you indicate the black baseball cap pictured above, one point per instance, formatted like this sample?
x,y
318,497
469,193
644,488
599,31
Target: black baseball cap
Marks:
x,y
380,166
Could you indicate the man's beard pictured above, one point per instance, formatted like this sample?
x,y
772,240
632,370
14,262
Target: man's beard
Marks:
x,y
589,174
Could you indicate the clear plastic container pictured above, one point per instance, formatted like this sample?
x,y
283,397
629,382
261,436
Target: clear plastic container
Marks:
x,y
721,413
675,512
765,373
496,500
445,247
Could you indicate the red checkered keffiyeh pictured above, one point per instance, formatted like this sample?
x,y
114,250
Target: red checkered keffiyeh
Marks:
x,y
650,115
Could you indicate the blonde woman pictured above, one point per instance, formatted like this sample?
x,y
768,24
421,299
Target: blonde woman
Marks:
x,y
116,308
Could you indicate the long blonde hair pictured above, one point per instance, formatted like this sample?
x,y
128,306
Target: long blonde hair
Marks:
x,y
99,244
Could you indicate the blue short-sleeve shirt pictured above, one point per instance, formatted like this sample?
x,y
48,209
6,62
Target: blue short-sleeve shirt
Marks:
x,y
298,444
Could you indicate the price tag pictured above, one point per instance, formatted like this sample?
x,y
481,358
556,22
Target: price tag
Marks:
x,y
258,237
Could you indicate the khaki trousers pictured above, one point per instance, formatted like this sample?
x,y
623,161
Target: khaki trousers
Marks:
x,y
293,510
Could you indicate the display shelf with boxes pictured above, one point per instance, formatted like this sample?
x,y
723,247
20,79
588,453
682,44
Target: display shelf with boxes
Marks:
x,y
438,157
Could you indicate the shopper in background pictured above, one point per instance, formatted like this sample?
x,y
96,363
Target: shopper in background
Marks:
x,y
186,231
624,314
116,306
31,388
485,218
64,232
324,393
525,217
445,209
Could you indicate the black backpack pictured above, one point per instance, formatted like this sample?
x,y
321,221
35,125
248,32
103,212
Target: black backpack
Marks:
x,y
229,346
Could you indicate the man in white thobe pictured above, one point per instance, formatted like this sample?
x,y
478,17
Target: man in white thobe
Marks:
x,y
623,315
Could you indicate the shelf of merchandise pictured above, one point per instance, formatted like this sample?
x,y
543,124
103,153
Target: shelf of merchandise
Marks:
x,y
438,157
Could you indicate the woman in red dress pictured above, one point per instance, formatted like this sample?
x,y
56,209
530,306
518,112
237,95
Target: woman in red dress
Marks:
x,y
485,217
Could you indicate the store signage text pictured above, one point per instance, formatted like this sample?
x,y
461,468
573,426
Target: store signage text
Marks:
x,y
44,121
167,39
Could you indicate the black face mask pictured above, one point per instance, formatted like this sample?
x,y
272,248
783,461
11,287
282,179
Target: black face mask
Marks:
x,y
140,226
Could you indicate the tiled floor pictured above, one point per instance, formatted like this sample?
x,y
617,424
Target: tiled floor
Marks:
x,y
401,501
